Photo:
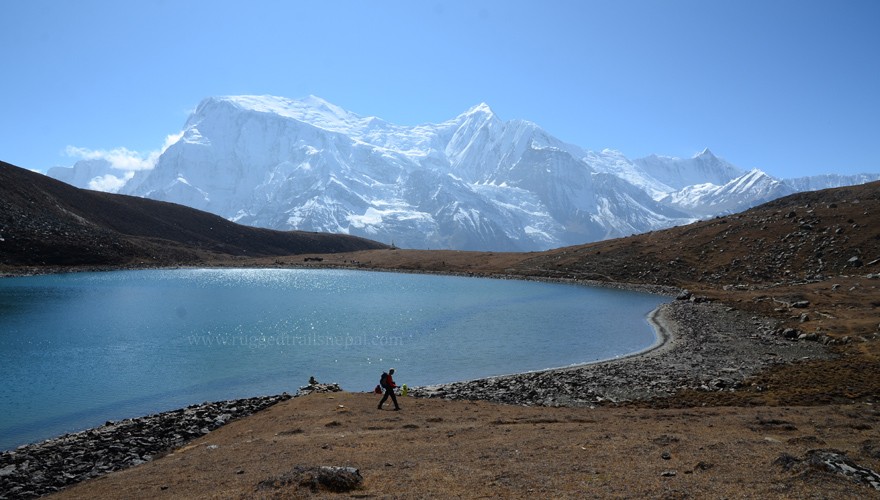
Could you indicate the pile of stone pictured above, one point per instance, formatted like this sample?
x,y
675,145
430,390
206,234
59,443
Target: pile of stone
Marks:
x,y
38,469
317,387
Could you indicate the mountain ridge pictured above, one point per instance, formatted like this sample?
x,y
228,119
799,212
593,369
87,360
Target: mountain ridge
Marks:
x,y
283,163
45,222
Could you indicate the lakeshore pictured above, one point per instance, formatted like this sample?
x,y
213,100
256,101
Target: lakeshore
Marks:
x,y
703,347
266,345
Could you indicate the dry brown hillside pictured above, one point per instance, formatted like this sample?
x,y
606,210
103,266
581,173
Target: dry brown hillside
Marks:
x,y
44,222
806,236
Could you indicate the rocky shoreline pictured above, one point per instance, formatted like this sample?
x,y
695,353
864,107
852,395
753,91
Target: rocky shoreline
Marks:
x,y
38,469
703,346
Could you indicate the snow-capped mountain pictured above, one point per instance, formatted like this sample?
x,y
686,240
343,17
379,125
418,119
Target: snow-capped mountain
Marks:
x,y
97,174
667,174
474,182
826,181
747,190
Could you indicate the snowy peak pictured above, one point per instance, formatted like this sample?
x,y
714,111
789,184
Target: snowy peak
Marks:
x,y
478,116
481,109
97,175
311,110
705,155
305,109
749,189
817,182
664,173
473,182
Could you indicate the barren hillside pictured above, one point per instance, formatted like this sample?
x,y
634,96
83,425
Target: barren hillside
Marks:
x,y
44,222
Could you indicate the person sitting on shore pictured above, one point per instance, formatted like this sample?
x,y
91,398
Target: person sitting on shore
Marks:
x,y
387,383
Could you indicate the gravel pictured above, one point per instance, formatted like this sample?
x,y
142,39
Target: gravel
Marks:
x,y
702,345
38,469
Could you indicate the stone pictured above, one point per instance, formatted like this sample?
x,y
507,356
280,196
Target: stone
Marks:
x,y
49,466
703,466
318,388
832,461
327,478
790,333
720,383
837,462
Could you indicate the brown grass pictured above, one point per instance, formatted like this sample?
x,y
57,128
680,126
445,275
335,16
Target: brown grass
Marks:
x,y
450,449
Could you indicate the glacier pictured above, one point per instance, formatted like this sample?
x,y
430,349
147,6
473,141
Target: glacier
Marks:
x,y
474,182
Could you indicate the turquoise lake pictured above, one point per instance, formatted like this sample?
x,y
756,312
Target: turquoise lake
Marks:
x,y
79,349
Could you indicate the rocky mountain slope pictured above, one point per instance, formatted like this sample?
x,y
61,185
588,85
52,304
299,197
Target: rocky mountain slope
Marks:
x,y
800,237
44,222
475,182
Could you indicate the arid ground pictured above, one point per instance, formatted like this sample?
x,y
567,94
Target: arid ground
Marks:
x,y
447,449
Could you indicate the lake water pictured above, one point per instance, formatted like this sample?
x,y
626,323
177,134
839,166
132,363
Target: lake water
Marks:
x,y
79,349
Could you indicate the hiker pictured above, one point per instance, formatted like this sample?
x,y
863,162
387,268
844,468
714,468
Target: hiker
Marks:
x,y
387,383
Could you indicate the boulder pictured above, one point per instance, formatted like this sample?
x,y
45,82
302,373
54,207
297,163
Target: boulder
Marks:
x,y
830,461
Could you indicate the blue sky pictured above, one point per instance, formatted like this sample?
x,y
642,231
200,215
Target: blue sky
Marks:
x,y
790,87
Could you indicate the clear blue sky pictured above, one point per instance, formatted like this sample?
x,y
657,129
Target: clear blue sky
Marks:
x,y
790,87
